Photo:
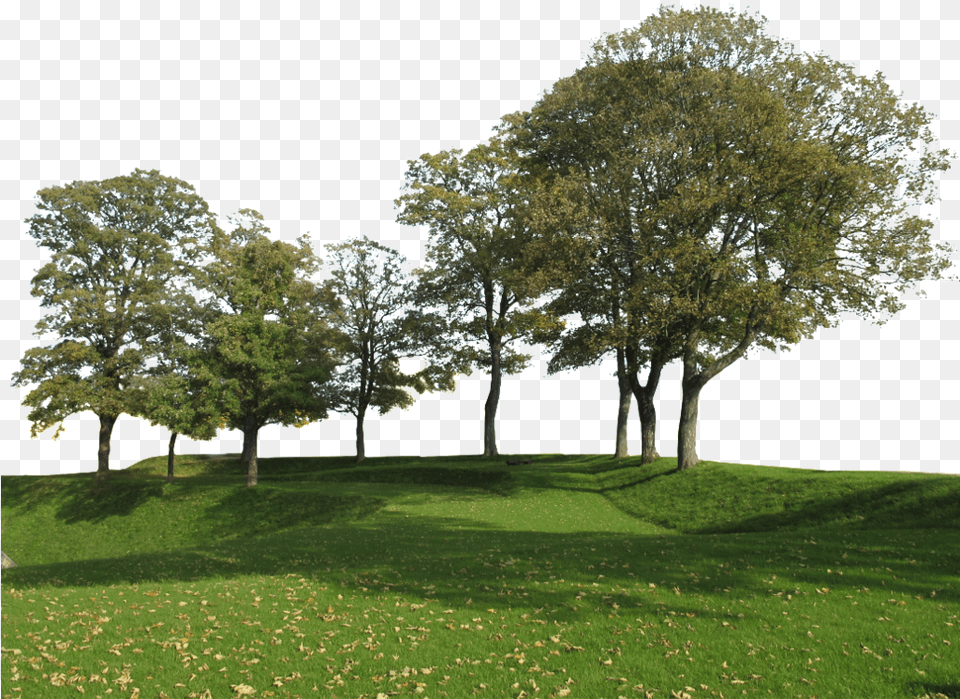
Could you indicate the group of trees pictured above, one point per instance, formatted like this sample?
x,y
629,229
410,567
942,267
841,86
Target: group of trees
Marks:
x,y
693,191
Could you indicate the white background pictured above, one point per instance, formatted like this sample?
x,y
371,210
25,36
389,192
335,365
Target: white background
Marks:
x,y
309,112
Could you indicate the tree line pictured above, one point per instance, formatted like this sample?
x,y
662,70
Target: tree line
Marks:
x,y
697,189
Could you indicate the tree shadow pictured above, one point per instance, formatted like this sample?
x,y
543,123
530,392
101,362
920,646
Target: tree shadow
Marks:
x,y
95,500
882,507
935,691
461,558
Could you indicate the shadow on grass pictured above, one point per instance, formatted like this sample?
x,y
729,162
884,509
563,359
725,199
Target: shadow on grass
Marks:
x,y
951,691
884,507
248,512
454,559
216,511
716,499
82,499
499,481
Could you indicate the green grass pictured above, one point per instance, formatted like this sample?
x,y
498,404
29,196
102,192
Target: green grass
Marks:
x,y
573,576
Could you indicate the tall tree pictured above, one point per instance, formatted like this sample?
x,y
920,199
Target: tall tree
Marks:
x,y
475,213
117,245
257,369
581,143
764,190
367,276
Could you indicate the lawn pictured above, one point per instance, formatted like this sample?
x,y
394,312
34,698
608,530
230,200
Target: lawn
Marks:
x,y
573,576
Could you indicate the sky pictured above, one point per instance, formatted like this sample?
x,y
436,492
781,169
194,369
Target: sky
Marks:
x,y
308,112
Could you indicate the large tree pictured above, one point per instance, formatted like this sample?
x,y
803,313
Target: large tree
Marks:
x,y
761,196
580,145
117,245
368,280
258,369
596,282
475,211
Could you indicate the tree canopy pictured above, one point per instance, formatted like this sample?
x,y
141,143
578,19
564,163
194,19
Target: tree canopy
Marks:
x,y
755,189
117,245
263,370
475,207
369,282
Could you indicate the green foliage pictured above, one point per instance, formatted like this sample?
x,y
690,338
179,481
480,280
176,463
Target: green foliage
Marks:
x,y
701,190
475,207
118,245
258,370
368,280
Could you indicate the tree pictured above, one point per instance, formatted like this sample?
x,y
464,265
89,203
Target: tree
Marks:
x,y
171,397
580,143
117,245
763,192
475,212
368,278
258,370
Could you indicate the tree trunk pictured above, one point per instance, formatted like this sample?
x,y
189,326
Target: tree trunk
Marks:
x,y
173,439
645,406
689,407
623,410
245,453
249,457
361,450
103,452
648,427
493,399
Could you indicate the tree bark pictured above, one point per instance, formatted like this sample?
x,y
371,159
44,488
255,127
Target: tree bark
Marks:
x,y
689,407
103,452
173,439
493,399
249,456
245,453
361,449
623,410
693,383
645,406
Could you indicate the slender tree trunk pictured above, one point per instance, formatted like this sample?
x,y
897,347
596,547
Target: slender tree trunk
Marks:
x,y
361,450
103,452
249,456
173,439
493,399
623,410
645,407
367,369
689,407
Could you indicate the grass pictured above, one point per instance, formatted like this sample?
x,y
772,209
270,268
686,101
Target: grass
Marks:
x,y
573,576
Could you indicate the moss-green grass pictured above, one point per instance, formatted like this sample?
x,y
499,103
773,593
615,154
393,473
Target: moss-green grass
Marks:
x,y
576,576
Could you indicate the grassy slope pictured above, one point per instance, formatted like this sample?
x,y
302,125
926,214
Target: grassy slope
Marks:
x,y
554,542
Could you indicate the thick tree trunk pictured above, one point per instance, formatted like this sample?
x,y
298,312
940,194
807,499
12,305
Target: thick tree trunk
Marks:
x,y
493,399
623,410
249,457
361,449
648,427
103,451
687,435
173,439
245,452
645,407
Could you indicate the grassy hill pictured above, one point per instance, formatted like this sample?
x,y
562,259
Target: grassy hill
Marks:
x,y
577,576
